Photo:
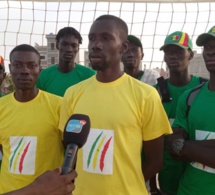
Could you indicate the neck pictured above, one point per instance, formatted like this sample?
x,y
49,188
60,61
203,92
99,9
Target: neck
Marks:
x,y
179,78
133,72
65,67
212,82
108,75
25,95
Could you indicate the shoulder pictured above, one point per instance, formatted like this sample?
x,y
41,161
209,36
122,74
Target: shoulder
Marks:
x,y
81,85
51,68
142,88
50,96
82,67
6,98
152,72
189,95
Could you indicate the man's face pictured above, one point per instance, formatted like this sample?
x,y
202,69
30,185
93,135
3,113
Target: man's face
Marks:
x,y
105,45
209,55
177,58
68,48
24,69
2,76
132,57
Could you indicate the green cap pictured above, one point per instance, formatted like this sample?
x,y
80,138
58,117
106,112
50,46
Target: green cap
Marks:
x,y
201,39
180,39
133,39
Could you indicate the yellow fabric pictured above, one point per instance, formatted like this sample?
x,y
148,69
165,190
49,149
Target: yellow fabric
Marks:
x,y
30,138
123,113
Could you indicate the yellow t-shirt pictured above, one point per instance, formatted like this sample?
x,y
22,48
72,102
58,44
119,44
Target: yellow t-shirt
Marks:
x,y
123,113
30,138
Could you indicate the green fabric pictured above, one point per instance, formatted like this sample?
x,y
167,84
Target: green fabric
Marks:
x,y
56,82
198,179
134,39
140,75
203,37
172,170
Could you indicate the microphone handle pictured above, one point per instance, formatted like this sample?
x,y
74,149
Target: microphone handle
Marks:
x,y
70,158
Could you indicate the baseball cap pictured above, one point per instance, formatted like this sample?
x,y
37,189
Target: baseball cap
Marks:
x,y
133,39
2,63
203,37
180,39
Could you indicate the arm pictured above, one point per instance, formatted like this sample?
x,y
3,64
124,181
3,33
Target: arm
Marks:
x,y
201,151
198,151
154,157
49,183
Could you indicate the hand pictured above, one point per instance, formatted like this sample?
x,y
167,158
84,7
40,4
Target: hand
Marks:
x,y
53,183
178,133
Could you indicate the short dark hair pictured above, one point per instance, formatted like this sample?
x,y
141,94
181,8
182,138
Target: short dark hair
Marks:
x,y
25,47
119,23
68,31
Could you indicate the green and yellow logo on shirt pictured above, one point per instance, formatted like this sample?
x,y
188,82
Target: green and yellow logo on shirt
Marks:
x,y
22,155
98,152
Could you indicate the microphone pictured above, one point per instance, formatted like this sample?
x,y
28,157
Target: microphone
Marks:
x,y
75,136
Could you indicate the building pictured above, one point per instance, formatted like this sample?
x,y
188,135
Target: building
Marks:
x,y
49,54
197,66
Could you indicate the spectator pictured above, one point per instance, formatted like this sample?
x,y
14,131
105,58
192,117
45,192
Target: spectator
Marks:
x,y
194,128
132,59
57,78
178,52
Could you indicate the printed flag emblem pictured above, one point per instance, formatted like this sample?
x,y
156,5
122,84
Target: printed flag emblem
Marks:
x,y
98,152
175,37
22,155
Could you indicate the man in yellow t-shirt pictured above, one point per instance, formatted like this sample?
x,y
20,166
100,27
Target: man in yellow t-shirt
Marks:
x,y
125,115
29,118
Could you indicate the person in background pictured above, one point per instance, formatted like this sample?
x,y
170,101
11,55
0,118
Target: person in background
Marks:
x,y
2,77
178,53
58,77
49,183
194,129
131,60
126,115
29,134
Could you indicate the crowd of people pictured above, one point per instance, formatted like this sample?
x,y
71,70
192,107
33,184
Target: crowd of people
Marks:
x,y
142,125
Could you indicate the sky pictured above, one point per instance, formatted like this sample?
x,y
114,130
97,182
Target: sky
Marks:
x,y
29,22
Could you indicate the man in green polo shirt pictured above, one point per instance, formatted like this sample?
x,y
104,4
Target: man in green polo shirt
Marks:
x,y
194,137
178,52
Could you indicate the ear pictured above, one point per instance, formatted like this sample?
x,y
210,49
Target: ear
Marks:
x,y
191,55
124,47
57,44
142,55
10,67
